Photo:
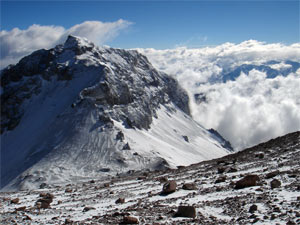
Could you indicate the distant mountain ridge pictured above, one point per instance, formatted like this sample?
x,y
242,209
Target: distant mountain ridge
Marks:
x,y
79,110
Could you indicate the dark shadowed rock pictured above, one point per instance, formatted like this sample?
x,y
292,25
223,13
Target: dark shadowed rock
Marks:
x,y
247,181
169,187
15,201
220,179
272,174
186,138
252,208
221,170
186,211
120,200
126,147
88,208
275,183
189,186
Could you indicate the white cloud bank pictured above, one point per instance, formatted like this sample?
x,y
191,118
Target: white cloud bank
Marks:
x,y
250,109
16,43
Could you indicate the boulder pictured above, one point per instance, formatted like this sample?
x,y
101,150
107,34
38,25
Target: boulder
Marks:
x,y
189,186
275,183
247,181
169,187
186,211
130,220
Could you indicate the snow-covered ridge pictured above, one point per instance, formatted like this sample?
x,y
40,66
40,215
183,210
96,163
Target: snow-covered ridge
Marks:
x,y
79,110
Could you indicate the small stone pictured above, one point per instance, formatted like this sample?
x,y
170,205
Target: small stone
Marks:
x,y
27,217
220,179
15,201
120,201
221,170
43,185
88,208
186,211
252,208
272,174
21,208
68,190
232,170
275,183
106,185
68,221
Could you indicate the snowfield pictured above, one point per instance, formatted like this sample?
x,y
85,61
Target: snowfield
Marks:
x,y
95,201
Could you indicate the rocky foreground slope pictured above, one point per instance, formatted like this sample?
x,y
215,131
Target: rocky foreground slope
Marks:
x,y
259,185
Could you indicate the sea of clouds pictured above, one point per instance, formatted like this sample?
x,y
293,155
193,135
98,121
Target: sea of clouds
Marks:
x,y
248,110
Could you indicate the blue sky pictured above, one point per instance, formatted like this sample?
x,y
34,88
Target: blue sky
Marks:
x,y
166,24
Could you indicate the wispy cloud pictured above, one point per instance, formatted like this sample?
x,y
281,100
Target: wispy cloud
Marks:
x,y
250,109
16,43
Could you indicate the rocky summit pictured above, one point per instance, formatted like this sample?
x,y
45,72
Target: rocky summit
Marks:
x,y
80,111
270,195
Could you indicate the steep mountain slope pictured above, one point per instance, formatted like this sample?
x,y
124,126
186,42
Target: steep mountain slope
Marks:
x,y
79,111
210,188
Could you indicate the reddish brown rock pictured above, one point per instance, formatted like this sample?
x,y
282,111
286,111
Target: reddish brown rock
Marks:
x,y
130,220
247,181
169,187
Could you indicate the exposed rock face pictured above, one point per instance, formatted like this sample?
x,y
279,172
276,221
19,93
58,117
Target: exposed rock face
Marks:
x,y
129,96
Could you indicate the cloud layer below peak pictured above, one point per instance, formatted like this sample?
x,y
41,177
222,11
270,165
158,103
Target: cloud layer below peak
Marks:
x,y
17,43
260,103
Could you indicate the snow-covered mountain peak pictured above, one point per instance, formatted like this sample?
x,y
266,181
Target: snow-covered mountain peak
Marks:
x,y
73,42
79,110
